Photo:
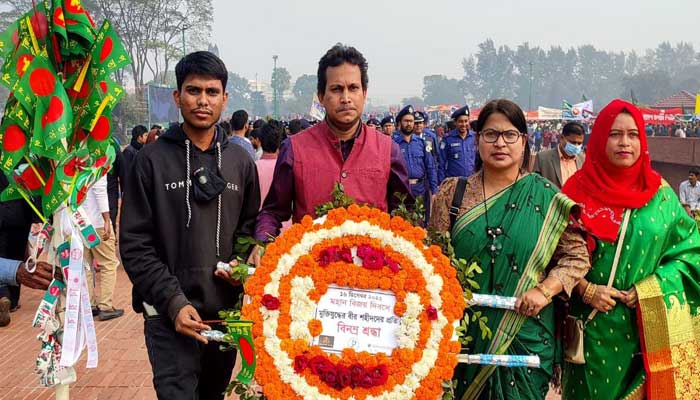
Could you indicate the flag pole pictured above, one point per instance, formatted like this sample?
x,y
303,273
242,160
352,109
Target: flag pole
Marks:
x,y
36,172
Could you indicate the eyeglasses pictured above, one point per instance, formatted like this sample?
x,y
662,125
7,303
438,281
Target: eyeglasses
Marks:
x,y
491,136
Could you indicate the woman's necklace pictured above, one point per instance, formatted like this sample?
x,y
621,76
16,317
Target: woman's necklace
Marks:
x,y
494,232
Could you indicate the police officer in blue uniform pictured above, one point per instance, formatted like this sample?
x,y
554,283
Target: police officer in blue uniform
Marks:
x,y
388,125
373,123
422,172
420,123
458,148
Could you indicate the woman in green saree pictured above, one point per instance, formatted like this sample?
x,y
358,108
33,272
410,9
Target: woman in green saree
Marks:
x,y
517,227
645,339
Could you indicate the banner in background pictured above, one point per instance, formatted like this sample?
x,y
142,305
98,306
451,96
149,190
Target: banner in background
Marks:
x,y
578,111
660,117
549,113
317,111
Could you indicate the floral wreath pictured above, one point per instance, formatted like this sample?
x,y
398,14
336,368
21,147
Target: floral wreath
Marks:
x,y
359,248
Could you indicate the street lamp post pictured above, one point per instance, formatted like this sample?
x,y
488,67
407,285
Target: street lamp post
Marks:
x,y
184,28
529,98
275,92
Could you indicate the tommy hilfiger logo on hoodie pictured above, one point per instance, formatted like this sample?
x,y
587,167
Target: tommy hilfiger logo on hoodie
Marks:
x,y
181,185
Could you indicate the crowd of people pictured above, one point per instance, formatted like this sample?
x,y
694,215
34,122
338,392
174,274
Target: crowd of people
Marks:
x,y
548,222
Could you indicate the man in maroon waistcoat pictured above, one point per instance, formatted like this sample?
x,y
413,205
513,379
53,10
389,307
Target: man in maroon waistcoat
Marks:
x,y
339,149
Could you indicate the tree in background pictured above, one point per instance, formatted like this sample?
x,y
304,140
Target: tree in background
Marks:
x,y
152,31
570,74
415,101
281,80
439,89
239,94
258,107
303,93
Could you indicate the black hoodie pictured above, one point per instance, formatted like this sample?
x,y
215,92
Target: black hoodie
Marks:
x,y
169,249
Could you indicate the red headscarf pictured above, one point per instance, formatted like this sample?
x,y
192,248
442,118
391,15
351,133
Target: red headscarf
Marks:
x,y
603,190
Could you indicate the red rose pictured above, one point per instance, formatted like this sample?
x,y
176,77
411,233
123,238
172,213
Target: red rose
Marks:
x,y
344,377
432,313
330,377
300,364
345,255
328,256
363,250
379,375
271,302
366,381
319,365
357,371
393,265
374,260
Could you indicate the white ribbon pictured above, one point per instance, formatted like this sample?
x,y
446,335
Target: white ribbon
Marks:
x,y
72,334
89,327
79,327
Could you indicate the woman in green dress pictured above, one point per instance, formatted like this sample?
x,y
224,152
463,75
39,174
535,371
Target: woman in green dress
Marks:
x,y
645,340
517,226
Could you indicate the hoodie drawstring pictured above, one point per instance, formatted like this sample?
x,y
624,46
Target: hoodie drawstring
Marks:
x,y
188,183
218,211
187,193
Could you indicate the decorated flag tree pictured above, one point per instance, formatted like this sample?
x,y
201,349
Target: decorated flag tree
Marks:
x,y
56,141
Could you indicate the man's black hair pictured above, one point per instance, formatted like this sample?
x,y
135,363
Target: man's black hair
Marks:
x,y
270,136
138,130
695,171
239,120
295,127
156,126
258,123
573,128
337,55
226,126
201,63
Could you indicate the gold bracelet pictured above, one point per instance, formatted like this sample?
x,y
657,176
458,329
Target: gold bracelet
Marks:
x,y
547,294
590,292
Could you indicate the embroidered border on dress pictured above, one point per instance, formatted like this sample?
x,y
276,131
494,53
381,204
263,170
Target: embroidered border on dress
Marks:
x,y
599,211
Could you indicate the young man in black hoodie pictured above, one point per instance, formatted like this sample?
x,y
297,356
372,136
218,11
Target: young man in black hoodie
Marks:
x,y
139,135
190,195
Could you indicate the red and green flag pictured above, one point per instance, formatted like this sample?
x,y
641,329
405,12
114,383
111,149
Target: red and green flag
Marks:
x,y
40,89
14,136
54,195
108,53
77,20
17,64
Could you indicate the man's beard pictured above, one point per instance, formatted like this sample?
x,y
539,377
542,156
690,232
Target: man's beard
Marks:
x,y
406,131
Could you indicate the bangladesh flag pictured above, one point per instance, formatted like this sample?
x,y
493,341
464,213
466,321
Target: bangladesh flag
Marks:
x,y
42,90
31,178
93,103
108,53
9,39
72,165
15,138
77,20
98,140
103,162
54,195
17,64
11,36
